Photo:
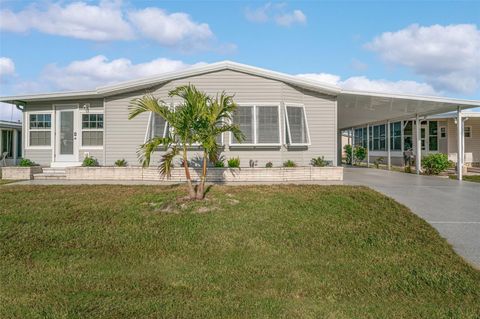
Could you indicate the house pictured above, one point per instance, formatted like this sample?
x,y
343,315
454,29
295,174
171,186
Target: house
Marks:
x,y
10,142
283,117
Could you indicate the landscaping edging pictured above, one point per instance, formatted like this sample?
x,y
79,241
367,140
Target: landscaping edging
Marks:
x,y
280,174
20,173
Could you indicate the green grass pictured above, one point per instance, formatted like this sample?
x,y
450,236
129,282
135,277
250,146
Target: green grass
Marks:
x,y
246,252
6,181
468,178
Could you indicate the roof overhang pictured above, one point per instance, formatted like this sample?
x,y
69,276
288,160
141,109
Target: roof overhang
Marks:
x,y
357,108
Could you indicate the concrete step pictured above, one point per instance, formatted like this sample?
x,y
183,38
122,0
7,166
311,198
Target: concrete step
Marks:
x,y
53,170
49,176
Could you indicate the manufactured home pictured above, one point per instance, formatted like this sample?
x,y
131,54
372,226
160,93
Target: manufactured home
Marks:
x,y
283,117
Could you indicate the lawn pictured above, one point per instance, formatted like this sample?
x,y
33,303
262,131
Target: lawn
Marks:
x,y
468,178
6,181
246,252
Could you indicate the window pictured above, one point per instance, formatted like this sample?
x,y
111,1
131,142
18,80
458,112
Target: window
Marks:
x,y
433,135
408,135
296,126
396,136
160,126
467,131
7,143
40,126
377,138
92,129
260,124
360,137
443,132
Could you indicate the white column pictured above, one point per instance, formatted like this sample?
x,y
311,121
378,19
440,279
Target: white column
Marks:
x,y
459,144
14,146
418,156
368,145
389,158
353,142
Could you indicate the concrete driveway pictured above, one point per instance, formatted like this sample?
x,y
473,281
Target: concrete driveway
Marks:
x,y
452,207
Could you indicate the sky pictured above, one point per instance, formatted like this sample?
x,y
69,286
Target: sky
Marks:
x,y
426,47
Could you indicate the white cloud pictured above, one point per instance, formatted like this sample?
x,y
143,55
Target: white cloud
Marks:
x,y
9,112
381,85
170,29
289,18
275,12
447,57
98,70
7,67
78,20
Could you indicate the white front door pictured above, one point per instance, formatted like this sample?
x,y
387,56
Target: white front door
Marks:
x,y
66,147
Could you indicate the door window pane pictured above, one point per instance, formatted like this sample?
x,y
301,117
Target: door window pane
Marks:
x,y
66,133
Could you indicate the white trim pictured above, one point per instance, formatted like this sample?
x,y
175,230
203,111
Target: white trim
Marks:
x,y
255,129
288,125
27,130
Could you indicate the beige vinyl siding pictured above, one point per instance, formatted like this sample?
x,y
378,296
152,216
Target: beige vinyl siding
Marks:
x,y
472,145
123,137
44,156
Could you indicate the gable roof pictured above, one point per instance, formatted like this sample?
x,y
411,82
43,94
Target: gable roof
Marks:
x,y
148,82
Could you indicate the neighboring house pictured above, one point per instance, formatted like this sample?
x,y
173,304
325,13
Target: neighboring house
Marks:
x,y
10,142
283,117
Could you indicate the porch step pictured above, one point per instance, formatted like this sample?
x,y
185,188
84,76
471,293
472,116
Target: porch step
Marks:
x,y
51,173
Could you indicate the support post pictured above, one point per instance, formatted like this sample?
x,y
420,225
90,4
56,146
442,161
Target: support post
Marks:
x,y
368,145
459,144
418,157
14,146
353,142
389,158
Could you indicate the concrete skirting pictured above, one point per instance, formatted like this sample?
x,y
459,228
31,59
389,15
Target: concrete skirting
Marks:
x,y
20,173
280,174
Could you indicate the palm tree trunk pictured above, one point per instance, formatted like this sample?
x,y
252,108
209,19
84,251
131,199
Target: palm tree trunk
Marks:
x,y
201,187
191,190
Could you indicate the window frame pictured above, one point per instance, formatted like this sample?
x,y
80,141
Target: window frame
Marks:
x,y
255,127
80,137
28,130
470,131
444,128
287,125
393,136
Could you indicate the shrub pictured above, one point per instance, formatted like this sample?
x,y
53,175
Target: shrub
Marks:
x,y
289,163
348,153
360,153
89,161
234,162
25,162
434,164
319,162
269,165
121,163
219,163
378,161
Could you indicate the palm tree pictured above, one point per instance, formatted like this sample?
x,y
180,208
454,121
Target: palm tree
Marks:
x,y
216,119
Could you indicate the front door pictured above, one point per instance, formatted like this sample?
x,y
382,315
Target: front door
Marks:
x,y
66,135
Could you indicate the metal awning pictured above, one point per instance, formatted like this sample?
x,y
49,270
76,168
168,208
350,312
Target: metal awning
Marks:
x,y
357,108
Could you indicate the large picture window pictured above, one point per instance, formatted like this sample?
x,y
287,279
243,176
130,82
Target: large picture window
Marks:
x,y
360,138
408,135
7,142
40,127
433,135
92,129
296,126
260,124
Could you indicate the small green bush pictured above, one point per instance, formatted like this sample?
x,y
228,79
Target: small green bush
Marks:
x,y
434,164
25,162
348,153
234,162
90,161
319,162
269,165
121,163
359,153
289,163
219,164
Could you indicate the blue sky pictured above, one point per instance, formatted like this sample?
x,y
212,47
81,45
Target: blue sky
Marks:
x,y
430,48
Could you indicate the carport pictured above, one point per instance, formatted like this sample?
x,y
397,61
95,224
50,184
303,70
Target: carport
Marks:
x,y
356,108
